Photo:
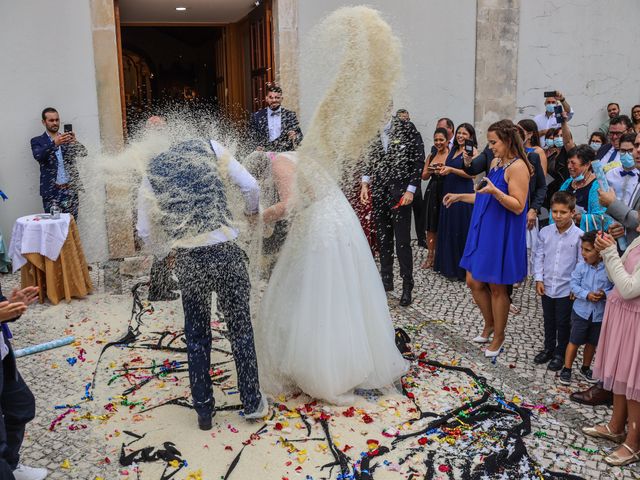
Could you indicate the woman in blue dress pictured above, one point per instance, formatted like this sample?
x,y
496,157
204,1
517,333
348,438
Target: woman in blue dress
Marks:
x,y
495,255
454,221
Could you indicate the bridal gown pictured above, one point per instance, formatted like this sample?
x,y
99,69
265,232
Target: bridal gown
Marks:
x,y
324,325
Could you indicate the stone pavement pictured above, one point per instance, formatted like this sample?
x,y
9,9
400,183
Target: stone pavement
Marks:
x,y
441,321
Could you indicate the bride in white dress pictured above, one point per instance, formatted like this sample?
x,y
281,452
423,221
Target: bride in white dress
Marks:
x,y
324,325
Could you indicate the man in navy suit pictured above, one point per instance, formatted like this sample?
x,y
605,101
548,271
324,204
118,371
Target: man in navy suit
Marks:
x,y
274,128
57,153
608,152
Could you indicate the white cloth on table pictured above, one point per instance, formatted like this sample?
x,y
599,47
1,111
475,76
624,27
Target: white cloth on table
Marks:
x,y
32,234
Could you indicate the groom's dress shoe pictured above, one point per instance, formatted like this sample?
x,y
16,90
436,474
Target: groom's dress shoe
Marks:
x,y
388,286
205,422
593,396
405,299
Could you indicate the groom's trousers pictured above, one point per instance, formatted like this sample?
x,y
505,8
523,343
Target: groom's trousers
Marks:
x,y
219,268
393,223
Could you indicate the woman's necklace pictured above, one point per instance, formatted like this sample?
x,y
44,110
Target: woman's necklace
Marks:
x,y
501,163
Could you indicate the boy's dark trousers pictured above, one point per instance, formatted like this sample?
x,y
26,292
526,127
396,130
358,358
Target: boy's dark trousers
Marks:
x,y
17,408
557,324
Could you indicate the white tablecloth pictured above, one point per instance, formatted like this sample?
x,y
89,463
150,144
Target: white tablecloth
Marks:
x,y
38,235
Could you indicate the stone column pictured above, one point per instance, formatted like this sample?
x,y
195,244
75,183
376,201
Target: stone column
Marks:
x,y
118,208
497,37
285,32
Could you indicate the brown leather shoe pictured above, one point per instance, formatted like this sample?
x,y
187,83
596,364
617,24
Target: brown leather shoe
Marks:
x,y
593,396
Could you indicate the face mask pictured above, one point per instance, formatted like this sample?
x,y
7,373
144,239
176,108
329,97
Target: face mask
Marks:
x,y
548,142
595,145
550,107
579,178
626,159
558,142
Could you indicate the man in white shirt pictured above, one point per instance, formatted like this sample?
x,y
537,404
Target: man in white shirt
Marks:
x,y
183,201
623,178
547,120
447,124
275,128
17,405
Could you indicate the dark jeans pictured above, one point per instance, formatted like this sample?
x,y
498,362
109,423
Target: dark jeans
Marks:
x,y
18,407
394,223
67,200
218,268
557,324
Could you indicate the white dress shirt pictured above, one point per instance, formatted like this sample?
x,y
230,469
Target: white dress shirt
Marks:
x,y
623,184
4,348
274,119
556,256
545,123
238,175
611,157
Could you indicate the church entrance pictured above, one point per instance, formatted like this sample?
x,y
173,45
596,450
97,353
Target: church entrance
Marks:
x,y
209,57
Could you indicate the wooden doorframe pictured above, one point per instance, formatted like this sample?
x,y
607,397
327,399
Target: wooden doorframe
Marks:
x,y
123,106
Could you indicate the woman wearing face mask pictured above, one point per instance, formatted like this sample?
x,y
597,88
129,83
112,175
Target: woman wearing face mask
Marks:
x,y
635,118
596,140
532,141
590,215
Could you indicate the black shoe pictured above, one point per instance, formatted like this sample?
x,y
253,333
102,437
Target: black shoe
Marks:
x,y
556,364
172,285
405,299
587,374
204,422
543,357
565,376
164,297
388,286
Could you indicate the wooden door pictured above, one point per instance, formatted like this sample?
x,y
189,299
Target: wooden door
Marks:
x,y
260,52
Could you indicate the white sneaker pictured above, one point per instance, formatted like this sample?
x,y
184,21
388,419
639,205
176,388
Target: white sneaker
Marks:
x,y
261,411
22,472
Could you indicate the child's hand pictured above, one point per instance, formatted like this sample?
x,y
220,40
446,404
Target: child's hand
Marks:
x,y
540,288
595,296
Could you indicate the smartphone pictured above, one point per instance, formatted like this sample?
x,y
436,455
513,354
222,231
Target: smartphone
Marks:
x,y
481,184
468,147
68,128
550,94
558,112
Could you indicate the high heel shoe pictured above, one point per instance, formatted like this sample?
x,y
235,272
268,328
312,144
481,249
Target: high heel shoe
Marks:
x,y
481,339
493,353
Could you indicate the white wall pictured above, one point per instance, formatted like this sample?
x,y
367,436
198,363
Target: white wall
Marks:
x,y
438,38
46,60
585,49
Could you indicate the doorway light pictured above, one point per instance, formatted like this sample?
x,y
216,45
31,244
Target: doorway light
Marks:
x,y
181,9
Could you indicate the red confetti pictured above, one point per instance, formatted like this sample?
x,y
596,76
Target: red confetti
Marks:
x,y
444,468
350,412
423,440
347,448
277,426
367,419
229,447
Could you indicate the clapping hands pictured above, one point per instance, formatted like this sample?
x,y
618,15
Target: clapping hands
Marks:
x,y
17,303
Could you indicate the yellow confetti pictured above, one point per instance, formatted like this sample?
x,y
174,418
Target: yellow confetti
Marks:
x,y
516,400
66,464
195,475
174,463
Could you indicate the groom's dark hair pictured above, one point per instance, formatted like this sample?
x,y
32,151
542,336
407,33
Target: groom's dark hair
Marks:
x,y
272,87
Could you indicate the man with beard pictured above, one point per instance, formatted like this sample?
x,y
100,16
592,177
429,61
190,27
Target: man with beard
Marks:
x,y
274,128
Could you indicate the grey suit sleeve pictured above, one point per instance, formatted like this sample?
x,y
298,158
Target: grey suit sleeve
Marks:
x,y
627,216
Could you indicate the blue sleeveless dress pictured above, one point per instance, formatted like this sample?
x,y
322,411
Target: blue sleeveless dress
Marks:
x,y
496,249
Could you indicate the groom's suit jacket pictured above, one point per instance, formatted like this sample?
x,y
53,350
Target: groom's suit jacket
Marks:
x,y
259,127
392,171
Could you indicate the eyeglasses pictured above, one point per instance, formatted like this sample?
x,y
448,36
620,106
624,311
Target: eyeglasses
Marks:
x,y
615,134
626,151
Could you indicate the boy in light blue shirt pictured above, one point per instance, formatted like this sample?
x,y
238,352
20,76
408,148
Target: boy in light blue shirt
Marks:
x,y
589,286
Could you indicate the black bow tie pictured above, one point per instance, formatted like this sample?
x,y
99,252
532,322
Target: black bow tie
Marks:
x,y
627,172
275,112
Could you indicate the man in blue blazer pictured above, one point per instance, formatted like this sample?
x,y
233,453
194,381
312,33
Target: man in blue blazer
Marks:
x,y
274,128
57,153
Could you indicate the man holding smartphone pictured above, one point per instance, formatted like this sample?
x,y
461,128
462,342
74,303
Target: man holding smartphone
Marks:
x,y
57,154
548,119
